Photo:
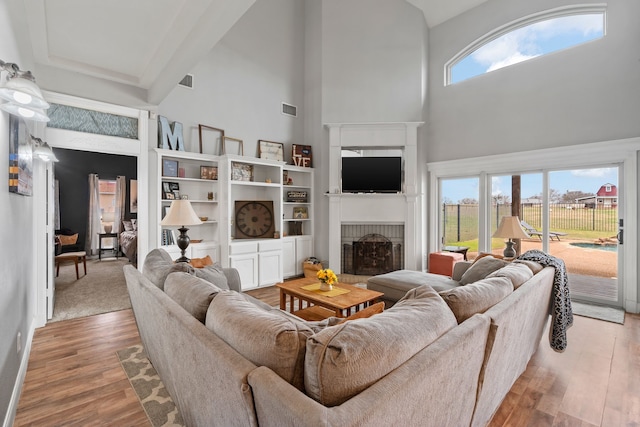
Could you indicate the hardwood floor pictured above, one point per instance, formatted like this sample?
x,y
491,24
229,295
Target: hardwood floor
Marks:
x,y
74,377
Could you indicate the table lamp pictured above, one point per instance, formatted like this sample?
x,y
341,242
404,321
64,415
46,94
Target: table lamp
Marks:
x,y
510,228
181,213
107,221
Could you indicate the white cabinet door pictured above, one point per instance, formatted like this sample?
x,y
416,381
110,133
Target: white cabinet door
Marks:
x,y
247,266
270,264
289,257
304,250
201,250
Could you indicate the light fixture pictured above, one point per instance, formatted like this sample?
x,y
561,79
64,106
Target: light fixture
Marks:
x,y
22,94
181,213
107,221
510,228
42,150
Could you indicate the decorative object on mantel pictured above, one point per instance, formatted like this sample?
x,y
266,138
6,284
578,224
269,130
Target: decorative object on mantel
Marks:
x,y
270,150
510,228
170,137
180,214
227,148
218,141
327,279
301,155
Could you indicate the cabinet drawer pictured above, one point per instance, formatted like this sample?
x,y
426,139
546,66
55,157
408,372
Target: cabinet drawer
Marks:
x,y
243,248
270,245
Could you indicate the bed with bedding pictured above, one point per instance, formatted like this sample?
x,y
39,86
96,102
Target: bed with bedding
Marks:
x,y
129,240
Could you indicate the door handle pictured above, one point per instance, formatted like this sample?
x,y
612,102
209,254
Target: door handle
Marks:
x,y
620,236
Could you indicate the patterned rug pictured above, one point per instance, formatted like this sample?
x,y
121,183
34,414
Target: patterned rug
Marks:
x,y
150,390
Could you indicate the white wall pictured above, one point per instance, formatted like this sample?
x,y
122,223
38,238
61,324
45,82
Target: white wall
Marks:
x,y
17,287
589,93
241,84
372,53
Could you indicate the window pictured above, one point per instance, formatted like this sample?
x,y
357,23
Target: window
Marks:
x,y
527,38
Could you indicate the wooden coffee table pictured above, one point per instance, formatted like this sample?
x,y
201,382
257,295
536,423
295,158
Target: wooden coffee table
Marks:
x,y
313,305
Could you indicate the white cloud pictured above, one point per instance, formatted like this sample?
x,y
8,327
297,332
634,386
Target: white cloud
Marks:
x,y
513,59
592,173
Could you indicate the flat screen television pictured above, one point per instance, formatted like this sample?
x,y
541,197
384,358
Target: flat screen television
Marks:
x,y
371,174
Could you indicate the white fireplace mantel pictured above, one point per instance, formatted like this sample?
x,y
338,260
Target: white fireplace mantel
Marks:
x,y
401,208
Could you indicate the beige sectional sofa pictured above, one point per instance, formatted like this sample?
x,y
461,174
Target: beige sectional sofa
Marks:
x,y
228,359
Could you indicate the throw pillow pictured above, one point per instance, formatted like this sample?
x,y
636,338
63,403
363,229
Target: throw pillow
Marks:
x,y
213,274
128,226
201,262
191,293
367,312
481,269
158,265
533,266
265,337
343,360
465,301
68,240
134,224
517,273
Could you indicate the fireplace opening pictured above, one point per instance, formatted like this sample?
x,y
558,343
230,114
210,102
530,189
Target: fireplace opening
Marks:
x,y
372,253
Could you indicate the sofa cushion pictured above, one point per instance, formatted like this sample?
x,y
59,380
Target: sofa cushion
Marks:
x,y
201,262
213,274
533,266
376,308
396,284
265,337
481,269
345,359
516,272
192,293
158,265
477,297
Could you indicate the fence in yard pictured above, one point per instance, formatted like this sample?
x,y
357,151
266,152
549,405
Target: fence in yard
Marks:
x,y
461,221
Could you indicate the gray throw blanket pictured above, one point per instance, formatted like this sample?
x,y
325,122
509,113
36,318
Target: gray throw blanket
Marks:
x,y
561,313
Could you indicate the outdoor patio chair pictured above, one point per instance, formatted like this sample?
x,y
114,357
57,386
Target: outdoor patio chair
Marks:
x,y
533,232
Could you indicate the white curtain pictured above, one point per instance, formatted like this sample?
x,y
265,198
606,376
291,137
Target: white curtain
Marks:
x,y
94,225
121,192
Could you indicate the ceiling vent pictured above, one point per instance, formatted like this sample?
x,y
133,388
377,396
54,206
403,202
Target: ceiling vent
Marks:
x,y
187,81
289,110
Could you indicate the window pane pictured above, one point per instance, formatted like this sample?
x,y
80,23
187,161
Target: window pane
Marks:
x,y
459,214
530,41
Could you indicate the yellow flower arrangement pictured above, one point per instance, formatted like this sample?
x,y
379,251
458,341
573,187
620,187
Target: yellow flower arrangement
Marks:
x,y
327,276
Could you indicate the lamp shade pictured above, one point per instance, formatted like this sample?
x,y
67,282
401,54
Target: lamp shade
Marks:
x,y
23,91
29,113
181,213
510,228
108,217
43,151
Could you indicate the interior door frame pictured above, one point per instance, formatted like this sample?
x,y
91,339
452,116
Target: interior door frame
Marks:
x,y
72,140
624,152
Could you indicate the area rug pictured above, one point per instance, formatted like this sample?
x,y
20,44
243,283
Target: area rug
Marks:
x,y
150,390
102,290
609,314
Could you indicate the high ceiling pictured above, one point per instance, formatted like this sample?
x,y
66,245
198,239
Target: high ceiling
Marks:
x,y
149,44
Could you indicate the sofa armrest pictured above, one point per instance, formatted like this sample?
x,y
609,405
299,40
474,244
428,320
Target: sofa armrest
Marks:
x,y
459,268
233,279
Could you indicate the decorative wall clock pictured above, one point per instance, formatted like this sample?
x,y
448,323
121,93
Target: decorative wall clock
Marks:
x,y
254,219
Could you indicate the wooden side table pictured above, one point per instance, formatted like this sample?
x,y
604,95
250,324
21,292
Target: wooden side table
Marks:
x,y
113,236
457,249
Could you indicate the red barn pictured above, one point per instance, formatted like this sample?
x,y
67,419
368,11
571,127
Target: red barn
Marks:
x,y
606,197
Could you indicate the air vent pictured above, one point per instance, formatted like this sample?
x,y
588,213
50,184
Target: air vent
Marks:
x,y
289,110
187,81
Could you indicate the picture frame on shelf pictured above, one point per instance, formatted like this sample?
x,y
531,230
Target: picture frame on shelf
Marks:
x,y
270,150
214,140
301,155
241,172
169,168
232,146
209,172
170,196
170,190
295,228
299,196
300,212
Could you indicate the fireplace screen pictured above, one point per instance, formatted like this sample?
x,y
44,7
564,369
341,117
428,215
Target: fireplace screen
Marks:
x,y
372,254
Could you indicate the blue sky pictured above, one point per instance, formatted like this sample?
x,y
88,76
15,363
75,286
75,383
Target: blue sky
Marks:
x,y
585,180
529,42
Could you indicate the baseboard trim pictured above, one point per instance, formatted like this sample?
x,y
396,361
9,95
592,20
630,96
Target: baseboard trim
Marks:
x,y
22,373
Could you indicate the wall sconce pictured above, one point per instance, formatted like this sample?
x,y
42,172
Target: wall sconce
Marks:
x,y
22,94
42,150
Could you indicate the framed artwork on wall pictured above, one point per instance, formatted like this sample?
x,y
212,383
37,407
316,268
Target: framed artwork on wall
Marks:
x,y
20,158
133,196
